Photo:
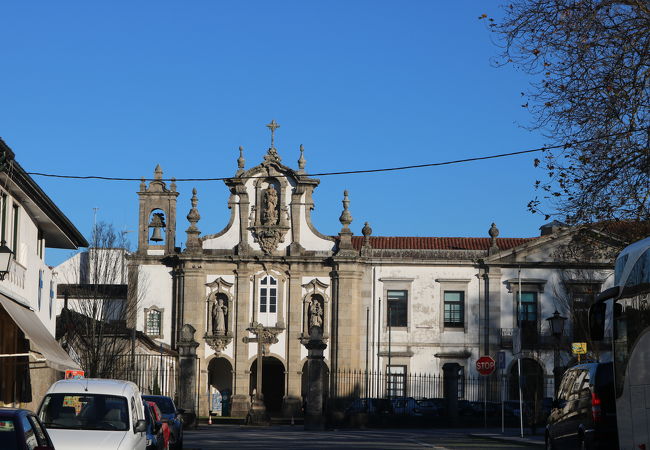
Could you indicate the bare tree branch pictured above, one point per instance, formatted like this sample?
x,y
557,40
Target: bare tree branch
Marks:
x,y
590,63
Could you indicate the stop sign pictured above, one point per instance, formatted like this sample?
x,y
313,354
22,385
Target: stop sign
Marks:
x,y
485,365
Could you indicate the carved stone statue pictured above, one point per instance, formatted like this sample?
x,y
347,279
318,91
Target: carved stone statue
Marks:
x,y
270,211
315,314
219,314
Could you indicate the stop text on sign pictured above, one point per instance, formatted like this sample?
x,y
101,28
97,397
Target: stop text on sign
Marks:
x,y
485,365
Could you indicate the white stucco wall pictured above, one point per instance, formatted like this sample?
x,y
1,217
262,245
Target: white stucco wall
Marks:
x,y
155,289
308,239
230,236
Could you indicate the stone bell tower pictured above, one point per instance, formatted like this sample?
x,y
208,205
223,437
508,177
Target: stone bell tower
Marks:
x,y
157,218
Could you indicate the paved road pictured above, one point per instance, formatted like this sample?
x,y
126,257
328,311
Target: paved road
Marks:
x,y
284,438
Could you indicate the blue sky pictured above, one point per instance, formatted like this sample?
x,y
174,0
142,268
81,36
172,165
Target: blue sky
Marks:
x,y
114,88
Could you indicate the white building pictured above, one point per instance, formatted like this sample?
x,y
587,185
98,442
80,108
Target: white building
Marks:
x,y
30,358
451,299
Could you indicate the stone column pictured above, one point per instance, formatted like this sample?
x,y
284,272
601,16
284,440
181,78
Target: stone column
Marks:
x,y
314,419
494,279
347,321
292,403
195,314
188,374
241,376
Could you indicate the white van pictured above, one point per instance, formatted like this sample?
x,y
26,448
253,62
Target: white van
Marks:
x,y
94,414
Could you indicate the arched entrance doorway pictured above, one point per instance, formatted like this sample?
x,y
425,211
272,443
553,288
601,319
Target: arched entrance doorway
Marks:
x,y
532,382
272,382
220,381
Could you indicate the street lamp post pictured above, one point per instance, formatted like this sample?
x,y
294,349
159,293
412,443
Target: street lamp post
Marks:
x,y
5,260
556,322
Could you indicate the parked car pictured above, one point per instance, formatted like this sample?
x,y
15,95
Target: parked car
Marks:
x,y
94,414
465,408
20,429
584,413
160,423
480,408
155,437
512,408
428,408
404,406
370,406
173,416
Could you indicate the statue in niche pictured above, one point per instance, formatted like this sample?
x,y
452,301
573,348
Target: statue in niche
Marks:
x,y
270,211
219,315
315,314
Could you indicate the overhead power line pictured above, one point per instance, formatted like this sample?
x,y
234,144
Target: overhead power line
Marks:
x,y
345,172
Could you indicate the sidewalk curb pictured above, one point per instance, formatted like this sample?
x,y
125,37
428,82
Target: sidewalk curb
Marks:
x,y
511,439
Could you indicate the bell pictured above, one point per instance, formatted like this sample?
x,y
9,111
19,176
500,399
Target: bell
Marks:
x,y
156,234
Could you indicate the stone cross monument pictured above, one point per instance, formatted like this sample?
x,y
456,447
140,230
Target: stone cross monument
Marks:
x,y
264,337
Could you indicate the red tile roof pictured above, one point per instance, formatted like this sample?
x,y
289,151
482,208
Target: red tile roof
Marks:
x,y
437,243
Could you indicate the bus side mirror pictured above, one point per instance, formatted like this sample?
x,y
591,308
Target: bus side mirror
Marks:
x,y
618,312
597,314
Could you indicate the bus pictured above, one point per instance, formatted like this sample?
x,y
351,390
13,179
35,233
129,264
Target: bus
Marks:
x,y
622,314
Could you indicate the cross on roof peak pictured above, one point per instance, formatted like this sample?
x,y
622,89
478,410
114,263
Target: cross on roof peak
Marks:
x,y
273,125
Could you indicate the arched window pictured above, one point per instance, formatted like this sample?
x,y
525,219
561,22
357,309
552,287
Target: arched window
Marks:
x,y
268,304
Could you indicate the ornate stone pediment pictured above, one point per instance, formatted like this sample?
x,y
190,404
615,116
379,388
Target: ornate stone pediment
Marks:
x,y
219,285
269,237
218,343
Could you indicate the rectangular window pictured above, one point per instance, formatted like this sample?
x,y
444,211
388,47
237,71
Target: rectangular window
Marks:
x,y
51,297
273,300
528,320
396,381
40,244
461,382
528,308
40,288
14,236
580,313
3,222
397,311
153,323
454,309
263,300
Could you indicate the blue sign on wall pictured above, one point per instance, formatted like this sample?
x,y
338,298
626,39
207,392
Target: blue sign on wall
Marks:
x,y
501,360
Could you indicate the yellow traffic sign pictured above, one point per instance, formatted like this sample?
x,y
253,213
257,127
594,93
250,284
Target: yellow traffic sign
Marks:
x,y
579,348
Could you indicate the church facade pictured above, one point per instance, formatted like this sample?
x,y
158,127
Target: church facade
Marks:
x,y
389,304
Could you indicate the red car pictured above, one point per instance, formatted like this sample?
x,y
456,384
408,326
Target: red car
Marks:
x,y
161,422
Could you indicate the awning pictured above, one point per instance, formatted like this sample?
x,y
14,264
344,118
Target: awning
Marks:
x,y
39,337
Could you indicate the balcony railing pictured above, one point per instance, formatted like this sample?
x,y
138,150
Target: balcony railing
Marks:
x,y
532,340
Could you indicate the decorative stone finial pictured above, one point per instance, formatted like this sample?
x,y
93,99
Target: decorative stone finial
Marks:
x,y
346,217
366,230
241,161
493,232
302,161
193,216
365,246
193,232
172,186
143,185
157,173
345,235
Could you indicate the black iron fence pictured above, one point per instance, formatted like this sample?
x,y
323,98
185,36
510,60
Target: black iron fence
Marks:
x,y
154,374
361,384
378,397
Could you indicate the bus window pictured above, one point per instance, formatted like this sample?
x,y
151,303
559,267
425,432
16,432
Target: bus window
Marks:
x,y
597,315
